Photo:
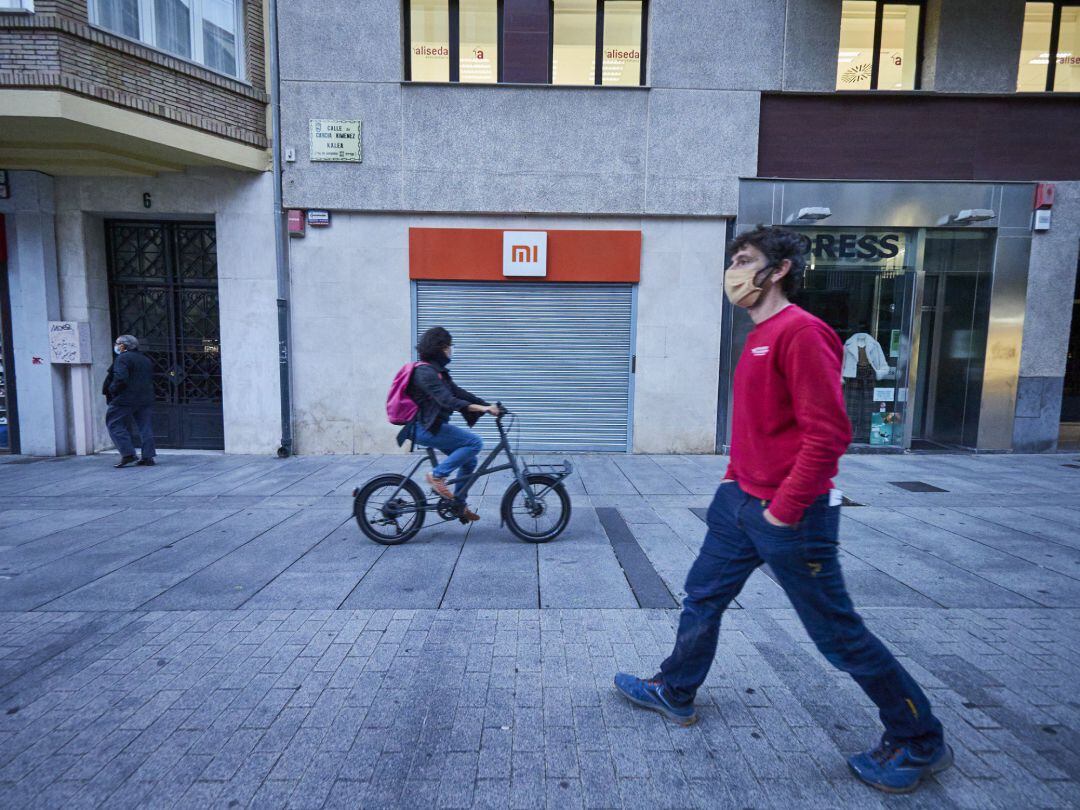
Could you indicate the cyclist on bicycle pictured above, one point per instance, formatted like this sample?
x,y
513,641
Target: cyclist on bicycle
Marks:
x,y
437,397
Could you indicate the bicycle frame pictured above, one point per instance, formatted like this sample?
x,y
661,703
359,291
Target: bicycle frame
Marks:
x,y
486,468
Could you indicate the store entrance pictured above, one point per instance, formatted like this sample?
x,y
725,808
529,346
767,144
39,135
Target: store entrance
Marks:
x,y
952,339
912,310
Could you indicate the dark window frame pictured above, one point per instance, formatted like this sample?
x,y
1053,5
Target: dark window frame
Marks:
x,y
875,64
454,12
598,58
454,36
1055,39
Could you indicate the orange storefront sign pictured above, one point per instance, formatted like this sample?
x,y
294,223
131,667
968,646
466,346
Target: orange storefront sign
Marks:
x,y
476,254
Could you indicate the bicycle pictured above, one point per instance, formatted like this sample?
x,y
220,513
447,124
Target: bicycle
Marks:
x,y
391,509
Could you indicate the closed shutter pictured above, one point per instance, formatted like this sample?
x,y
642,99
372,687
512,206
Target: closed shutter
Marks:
x,y
557,355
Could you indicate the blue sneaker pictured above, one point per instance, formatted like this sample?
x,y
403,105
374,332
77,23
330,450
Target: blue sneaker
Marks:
x,y
650,694
894,769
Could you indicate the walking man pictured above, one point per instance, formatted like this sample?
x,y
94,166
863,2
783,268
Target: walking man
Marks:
x,y
776,505
131,402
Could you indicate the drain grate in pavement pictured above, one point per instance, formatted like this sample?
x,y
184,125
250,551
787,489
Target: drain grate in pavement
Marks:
x,y
917,486
649,590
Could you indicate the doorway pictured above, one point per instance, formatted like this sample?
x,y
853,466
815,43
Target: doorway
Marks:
x,y
911,307
163,290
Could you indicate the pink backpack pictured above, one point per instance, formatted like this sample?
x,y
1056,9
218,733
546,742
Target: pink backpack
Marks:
x,y
400,408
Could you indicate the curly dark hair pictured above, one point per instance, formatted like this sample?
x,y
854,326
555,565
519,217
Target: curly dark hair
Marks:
x,y
777,244
433,344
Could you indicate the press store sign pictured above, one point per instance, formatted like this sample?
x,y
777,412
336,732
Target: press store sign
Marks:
x,y
837,247
334,141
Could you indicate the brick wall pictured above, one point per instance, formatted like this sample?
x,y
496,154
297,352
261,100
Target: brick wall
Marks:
x,y
56,48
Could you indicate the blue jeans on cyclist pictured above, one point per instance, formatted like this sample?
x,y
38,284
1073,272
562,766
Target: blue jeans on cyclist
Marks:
x,y
461,447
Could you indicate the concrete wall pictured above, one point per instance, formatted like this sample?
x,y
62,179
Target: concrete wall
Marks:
x,y
677,147
352,326
1051,282
34,289
241,205
972,46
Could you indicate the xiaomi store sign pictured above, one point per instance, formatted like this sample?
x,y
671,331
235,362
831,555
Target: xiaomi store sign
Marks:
x,y
483,254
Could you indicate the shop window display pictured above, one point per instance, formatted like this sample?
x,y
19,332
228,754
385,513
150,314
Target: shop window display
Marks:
x,y
861,282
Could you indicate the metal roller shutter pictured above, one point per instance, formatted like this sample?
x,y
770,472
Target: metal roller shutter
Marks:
x,y
558,355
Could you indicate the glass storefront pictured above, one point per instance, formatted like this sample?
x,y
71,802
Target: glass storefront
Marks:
x,y
911,307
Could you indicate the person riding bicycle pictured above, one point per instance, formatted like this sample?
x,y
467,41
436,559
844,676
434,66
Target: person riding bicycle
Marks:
x,y
437,397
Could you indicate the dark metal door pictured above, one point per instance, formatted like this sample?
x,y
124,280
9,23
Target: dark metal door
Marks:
x,y
163,290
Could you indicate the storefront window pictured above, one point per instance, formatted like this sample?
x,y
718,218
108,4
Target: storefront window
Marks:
x,y
479,32
429,39
1050,48
861,283
879,46
622,43
573,53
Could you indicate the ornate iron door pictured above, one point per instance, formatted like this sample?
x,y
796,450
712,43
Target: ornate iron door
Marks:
x,y
163,290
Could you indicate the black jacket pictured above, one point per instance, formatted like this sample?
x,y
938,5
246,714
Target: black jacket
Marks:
x,y
437,397
130,381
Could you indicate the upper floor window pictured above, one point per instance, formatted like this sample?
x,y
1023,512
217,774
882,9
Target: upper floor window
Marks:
x,y
879,45
588,42
204,31
16,5
1050,48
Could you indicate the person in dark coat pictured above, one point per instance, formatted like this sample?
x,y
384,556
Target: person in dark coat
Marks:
x,y
129,390
437,397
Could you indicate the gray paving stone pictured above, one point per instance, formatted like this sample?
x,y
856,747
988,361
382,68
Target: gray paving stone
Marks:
x,y
425,675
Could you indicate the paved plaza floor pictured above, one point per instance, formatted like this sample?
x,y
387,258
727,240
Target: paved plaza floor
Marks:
x,y
216,632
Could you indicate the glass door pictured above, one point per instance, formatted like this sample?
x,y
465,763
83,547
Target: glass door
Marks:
x,y
953,330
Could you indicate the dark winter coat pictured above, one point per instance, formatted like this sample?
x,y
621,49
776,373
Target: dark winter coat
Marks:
x,y
437,397
130,381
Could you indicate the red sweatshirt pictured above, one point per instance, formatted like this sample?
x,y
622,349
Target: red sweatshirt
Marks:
x,y
789,426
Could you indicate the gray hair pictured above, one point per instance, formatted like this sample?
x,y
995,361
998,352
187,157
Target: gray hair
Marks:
x,y
128,341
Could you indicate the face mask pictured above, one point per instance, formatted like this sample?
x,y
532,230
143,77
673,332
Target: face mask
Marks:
x,y
740,288
116,350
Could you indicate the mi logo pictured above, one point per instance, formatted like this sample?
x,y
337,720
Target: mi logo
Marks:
x,y
525,253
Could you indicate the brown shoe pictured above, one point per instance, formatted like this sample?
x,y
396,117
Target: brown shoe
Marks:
x,y
440,487
469,516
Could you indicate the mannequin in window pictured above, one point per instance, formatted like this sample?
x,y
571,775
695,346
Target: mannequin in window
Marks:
x,y
864,364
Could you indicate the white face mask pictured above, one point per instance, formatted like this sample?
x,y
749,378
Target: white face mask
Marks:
x,y
116,350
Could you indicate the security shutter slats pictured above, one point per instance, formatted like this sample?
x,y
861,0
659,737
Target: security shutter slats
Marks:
x,y
558,355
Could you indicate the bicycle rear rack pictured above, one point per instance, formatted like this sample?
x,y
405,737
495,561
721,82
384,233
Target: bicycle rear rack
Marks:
x,y
556,471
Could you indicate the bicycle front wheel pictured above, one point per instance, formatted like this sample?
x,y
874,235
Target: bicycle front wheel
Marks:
x,y
546,518
389,509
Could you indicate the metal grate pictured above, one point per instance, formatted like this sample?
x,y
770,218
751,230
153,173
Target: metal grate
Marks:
x,y
558,355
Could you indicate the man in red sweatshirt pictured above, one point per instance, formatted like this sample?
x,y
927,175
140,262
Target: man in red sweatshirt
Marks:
x,y
776,505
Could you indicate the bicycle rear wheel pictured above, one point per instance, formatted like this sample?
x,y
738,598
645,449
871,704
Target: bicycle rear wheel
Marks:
x,y
389,509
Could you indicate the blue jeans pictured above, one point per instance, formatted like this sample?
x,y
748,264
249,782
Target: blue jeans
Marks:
x,y
461,447
804,559
123,420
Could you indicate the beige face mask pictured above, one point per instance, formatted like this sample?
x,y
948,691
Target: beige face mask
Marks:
x,y
740,288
